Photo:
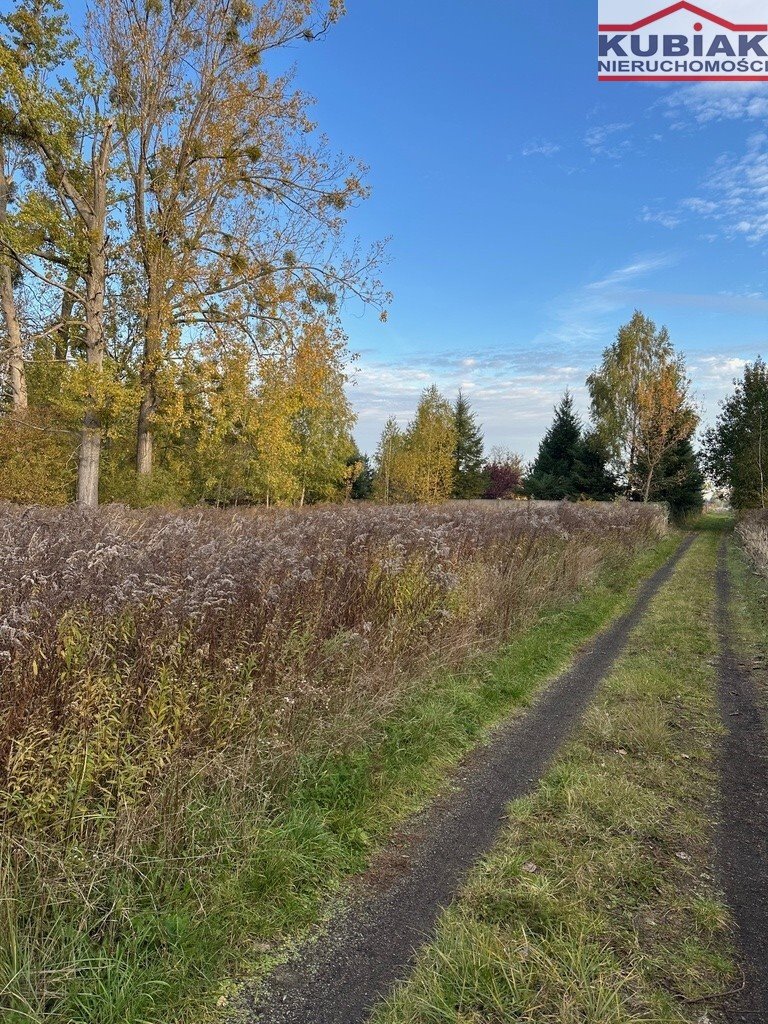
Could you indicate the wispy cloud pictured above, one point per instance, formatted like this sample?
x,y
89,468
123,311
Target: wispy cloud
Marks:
x,y
540,147
736,192
605,140
706,102
663,217
514,385
641,266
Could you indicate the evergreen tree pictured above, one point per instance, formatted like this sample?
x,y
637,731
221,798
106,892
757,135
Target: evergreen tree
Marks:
x,y
552,475
592,477
680,482
736,450
468,478
362,484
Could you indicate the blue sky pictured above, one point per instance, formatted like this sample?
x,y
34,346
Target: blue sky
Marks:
x,y
531,208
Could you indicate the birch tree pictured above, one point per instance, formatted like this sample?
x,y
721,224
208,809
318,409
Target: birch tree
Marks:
x,y
641,404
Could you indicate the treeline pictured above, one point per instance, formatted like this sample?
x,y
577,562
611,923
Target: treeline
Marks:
x,y
172,257
638,444
735,451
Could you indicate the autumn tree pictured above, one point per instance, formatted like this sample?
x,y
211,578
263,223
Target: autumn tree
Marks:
x,y
323,417
641,403
273,430
430,445
60,236
468,478
389,461
504,474
236,205
736,449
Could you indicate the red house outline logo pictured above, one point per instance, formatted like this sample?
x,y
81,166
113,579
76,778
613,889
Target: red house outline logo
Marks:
x,y
698,12
683,5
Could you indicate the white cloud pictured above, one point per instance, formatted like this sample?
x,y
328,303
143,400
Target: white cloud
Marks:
x,y
702,206
736,192
706,102
717,368
603,140
514,385
540,148
662,217
639,267
512,392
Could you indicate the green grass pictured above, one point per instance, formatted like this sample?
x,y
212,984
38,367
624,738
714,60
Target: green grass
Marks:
x,y
250,879
598,905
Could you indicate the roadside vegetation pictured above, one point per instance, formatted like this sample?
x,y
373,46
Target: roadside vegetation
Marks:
x,y
748,564
752,531
599,905
209,718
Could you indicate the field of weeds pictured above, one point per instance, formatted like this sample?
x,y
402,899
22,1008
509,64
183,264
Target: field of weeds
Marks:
x,y
166,678
752,530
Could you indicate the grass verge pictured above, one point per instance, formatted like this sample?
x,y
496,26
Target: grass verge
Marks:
x,y
598,905
248,877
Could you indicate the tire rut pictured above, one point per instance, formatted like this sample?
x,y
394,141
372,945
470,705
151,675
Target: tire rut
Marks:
x,y
742,840
354,961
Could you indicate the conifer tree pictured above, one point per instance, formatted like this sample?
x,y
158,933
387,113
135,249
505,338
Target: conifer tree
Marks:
x,y
552,476
592,476
362,478
680,482
468,478
736,450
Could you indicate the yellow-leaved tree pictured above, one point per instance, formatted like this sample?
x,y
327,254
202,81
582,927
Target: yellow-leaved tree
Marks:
x,y
419,463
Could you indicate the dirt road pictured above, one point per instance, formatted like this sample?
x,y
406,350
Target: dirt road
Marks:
x,y
345,970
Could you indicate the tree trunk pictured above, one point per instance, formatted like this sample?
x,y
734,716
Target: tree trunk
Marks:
x,y
647,489
152,352
16,372
95,296
15,358
90,434
144,437
61,342
88,462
